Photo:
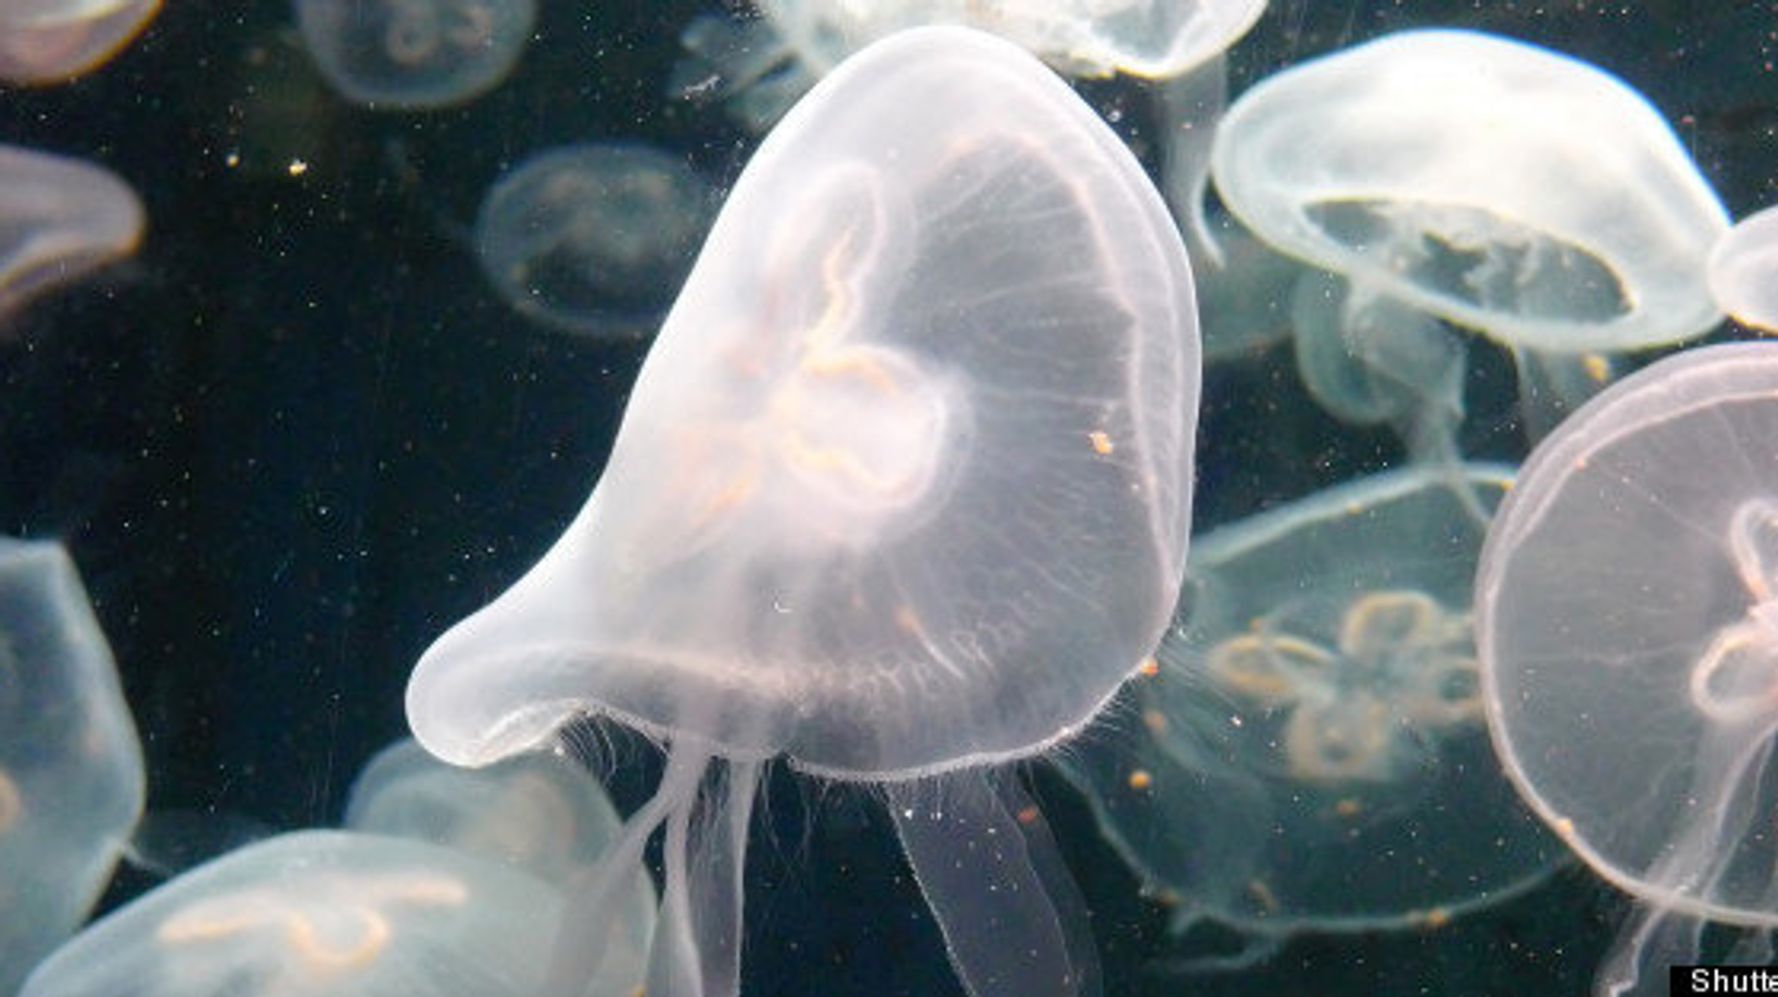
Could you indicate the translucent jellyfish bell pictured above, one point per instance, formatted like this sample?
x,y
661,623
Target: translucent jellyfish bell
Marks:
x,y
1311,754
1744,271
902,489
71,778
52,41
321,913
593,238
1625,618
60,218
1081,37
1501,186
415,54
540,813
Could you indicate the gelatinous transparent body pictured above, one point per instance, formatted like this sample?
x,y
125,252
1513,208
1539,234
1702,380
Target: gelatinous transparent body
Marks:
x,y
593,238
902,489
415,53
59,219
1154,38
320,912
71,780
762,66
1311,753
1495,184
1625,618
1744,271
540,813
50,41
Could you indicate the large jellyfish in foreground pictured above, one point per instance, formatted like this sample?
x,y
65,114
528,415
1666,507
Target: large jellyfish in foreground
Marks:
x,y
902,492
1311,753
1627,623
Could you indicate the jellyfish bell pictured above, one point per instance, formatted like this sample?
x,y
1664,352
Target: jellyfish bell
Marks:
x,y
1495,184
1744,271
415,54
1310,755
71,772
53,41
1624,613
60,219
902,491
320,912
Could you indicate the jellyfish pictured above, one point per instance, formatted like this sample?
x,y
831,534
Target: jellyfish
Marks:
x,y
1496,185
539,813
71,776
765,65
331,913
1624,614
593,238
53,41
1744,271
60,218
415,54
901,492
1309,753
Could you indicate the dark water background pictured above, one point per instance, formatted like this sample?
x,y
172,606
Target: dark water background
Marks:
x,y
298,436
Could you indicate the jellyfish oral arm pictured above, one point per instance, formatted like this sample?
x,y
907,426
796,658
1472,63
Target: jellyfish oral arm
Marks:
x,y
991,874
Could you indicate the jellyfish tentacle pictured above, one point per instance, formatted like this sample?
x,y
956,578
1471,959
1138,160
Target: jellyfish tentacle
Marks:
x,y
581,938
697,940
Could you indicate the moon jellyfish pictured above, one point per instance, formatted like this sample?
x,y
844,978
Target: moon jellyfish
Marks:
x,y
1494,184
1311,753
60,219
540,813
901,492
593,238
52,41
71,778
1744,271
765,65
324,913
1629,644
415,54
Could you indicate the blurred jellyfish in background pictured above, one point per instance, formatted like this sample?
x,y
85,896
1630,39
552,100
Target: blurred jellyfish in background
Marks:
x,y
60,219
1744,271
539,812
71,776
415,54
901,492
1496,185
594,239
1310,752
763,65
327,914
1627,619
52,41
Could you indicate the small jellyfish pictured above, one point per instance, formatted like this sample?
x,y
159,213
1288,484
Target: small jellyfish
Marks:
x,y
594,238
1311,753
71,776
1627,621
415,54
52,41
763,66
60,218
902,491
331,913
540,813
1744,271
1494,184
